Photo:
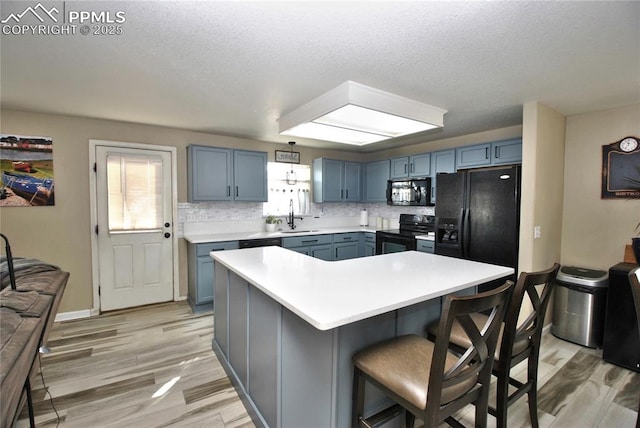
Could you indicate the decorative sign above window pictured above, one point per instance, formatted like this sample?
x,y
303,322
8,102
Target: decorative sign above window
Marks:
x,y
287,157
621,169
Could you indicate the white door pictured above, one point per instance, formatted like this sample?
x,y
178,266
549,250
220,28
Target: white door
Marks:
x,y
135,226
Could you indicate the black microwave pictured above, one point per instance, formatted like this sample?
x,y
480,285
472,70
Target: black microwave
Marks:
x,y
409,192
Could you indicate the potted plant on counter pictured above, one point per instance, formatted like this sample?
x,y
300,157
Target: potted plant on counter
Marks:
x,y
272,222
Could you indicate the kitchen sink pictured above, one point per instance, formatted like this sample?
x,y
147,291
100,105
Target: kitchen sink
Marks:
x,y
301,231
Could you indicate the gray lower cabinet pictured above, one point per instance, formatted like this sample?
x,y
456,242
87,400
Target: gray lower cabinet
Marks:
x,y
368,247
345,245
294,374
318,246
201,273
425,246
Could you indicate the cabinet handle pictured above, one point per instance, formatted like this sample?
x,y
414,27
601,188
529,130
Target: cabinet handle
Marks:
x,y
310,242
497,151
347,238
341,193
486,153
336,253
413,167
346,194
228,190
405,168
236,191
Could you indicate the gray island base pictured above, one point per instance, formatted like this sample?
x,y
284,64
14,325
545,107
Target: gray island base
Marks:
x,y
286,325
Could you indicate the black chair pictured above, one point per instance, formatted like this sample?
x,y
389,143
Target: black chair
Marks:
x,y
519,341
428,380
634,280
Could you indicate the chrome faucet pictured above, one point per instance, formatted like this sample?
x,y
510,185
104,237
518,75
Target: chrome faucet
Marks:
x,y
291,218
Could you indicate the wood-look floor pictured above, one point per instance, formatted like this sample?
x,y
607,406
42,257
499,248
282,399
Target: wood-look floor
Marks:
x,y
107,371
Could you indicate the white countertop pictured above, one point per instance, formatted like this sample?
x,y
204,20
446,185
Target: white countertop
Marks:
x,y
332,294
300,231
201,238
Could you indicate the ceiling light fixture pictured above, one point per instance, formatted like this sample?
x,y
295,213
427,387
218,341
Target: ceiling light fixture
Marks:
x,y
356,114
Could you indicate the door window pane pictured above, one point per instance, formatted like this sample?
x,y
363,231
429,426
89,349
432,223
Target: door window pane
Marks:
x,y
135,192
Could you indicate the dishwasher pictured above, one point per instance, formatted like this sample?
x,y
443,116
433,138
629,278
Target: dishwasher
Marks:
x,y
260,242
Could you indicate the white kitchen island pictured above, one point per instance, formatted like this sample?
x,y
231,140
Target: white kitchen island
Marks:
x,y
286,324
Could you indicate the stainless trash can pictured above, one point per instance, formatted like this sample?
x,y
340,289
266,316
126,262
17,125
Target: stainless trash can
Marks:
x,y
580,300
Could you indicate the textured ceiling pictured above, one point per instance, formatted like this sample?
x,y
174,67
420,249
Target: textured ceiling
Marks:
x,y
234,68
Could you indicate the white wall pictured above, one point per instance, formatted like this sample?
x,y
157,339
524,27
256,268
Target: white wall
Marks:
x,y
595,230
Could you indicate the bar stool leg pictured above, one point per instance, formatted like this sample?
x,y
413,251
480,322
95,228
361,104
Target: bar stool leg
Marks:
x,y
27,387
357,402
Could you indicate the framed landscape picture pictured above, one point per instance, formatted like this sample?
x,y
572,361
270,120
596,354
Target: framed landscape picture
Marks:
x,y
26,168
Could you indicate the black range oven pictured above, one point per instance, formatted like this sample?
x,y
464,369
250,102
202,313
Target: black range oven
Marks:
x,y
404,238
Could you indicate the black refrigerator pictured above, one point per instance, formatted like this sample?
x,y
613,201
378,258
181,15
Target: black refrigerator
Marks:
x,y
478,216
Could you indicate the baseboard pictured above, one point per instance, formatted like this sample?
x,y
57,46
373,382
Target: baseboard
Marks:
x,y
67,316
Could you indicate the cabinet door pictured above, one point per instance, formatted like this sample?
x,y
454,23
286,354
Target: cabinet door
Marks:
x,y
301,250
369,249
377,175
352,181
331,180
324,252
442,161
420,165
400,167
250,176
473,156
348,250
507,152
209,174
204,285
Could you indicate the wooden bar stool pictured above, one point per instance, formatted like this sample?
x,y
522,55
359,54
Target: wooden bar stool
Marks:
x,y
428,380
519,341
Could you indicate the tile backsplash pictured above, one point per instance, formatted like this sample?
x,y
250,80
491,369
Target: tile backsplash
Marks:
x,y
244,211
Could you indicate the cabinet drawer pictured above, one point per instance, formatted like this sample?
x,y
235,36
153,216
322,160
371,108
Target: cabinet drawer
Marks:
x,y
300,241
370,237
346,237
205,249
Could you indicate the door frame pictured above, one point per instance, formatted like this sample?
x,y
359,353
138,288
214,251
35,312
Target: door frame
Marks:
x,y
93,200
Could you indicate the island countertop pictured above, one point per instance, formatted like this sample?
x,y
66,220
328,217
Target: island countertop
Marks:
x,y
332,294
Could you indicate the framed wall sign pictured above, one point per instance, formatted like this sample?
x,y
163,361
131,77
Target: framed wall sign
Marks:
x,y
621,169
287,157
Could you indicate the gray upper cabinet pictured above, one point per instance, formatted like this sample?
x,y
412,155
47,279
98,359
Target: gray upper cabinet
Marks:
x,y
218,174
250,176
507,152
336,181
442,161
411,166
376,177
488,154
209,172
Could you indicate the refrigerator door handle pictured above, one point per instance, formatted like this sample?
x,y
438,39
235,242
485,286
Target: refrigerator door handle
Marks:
x,y
464,233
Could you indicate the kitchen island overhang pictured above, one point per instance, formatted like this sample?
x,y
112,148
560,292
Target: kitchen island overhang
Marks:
x,y
286,324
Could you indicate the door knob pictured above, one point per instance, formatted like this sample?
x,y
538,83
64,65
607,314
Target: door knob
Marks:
x,y
167,224
167,235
